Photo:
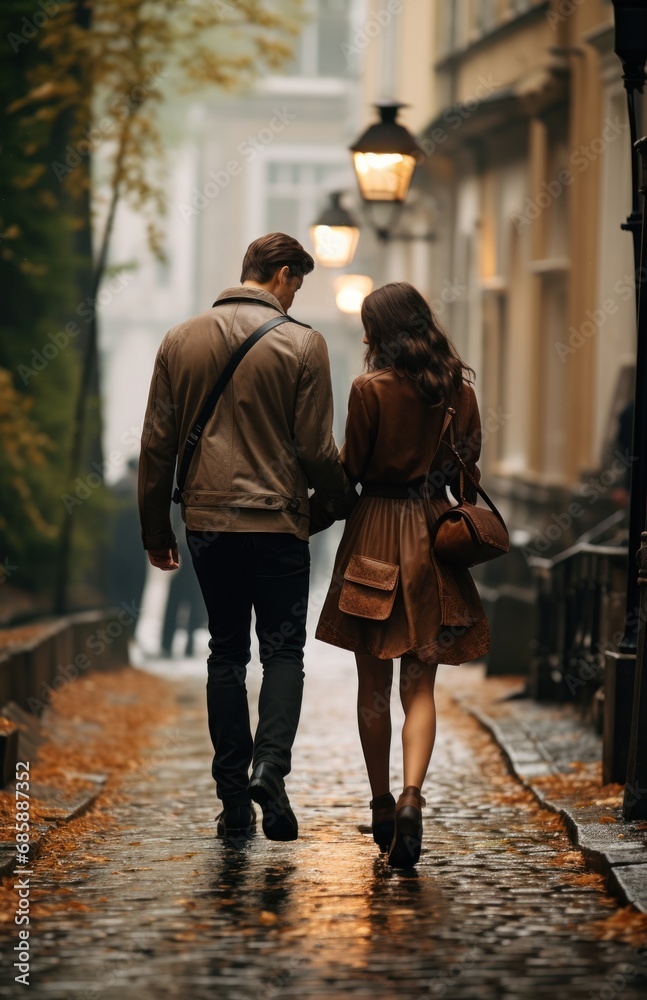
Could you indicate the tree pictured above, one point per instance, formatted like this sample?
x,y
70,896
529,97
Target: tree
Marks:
x,y
24,449
103,70
39,372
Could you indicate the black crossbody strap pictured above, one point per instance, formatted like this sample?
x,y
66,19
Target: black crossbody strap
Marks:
x,y
215,394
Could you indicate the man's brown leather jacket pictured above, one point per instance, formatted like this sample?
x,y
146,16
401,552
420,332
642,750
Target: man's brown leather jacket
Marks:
x,y
269,439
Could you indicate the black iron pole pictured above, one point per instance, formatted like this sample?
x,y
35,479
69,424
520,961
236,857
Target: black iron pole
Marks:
x,y
631,49
634,83
635,795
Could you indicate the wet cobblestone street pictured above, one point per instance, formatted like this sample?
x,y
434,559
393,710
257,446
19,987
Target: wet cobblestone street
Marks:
x,y
499,905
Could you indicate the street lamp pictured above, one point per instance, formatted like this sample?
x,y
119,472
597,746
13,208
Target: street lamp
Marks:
x,y
384,158
351,290
622,668
335,234
635,797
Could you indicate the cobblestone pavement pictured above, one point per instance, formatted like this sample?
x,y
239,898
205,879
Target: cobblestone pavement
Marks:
x,y
496,907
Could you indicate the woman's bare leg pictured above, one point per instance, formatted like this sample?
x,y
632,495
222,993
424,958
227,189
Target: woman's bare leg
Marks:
x,y
419,730
375,678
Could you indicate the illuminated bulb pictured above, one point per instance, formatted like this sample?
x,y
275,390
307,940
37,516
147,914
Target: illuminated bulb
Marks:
x,y
335,245
351,290
384,176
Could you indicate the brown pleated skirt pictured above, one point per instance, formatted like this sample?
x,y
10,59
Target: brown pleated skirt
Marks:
x,y
437,614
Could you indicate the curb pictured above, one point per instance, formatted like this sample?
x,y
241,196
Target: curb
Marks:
x,y
9,856
623,865
34,661
55,805
43,657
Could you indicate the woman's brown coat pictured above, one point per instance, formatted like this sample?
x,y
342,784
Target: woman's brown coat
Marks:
x,y
391,435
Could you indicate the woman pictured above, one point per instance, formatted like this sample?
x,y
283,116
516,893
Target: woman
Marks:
x,y
397,411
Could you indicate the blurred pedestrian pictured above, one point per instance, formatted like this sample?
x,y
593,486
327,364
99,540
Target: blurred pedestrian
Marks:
x,y
398,600
243,486
127,564
184,603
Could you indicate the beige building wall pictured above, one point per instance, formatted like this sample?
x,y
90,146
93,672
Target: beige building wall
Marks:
x,y
396,58
526,204
614,336
397,64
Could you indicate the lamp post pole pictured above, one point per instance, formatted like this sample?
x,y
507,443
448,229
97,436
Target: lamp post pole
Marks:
x,y
635,796
631,49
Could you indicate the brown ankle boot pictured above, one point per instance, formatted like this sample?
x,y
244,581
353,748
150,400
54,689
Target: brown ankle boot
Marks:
x,y
407,839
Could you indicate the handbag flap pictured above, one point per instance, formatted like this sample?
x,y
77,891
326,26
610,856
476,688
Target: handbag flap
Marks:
x,y
372,572
485,525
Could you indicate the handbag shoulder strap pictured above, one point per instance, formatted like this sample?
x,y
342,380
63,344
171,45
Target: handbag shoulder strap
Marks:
x,y
426,496
209,404
464,471
449,413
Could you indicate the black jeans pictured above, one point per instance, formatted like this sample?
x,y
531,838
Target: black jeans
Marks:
x,y
269,571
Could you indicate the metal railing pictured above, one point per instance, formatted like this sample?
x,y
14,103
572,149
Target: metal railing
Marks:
x,y
580,594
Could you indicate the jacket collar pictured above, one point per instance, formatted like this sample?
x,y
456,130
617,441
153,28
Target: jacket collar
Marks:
x,y
254,294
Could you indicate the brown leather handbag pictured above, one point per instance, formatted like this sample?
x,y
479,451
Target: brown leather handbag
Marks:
x,y
467,535
369,587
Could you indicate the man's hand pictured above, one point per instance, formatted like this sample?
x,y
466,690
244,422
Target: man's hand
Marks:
x,y
164,558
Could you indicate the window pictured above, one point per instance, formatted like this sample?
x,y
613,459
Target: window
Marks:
x,y
447,15
294,194
319,49
553,427
485,16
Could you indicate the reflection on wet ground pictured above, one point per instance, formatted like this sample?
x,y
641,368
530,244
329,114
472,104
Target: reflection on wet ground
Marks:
x,y
499,905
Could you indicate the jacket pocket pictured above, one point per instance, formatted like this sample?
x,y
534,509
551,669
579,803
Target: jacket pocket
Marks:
x,y
369,587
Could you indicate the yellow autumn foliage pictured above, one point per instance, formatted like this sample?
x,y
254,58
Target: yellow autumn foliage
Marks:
x,y
23,444
129,55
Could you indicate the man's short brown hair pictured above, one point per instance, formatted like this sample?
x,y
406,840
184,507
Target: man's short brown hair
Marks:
x,y
269,253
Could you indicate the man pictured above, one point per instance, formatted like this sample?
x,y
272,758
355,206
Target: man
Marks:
x,y
246,508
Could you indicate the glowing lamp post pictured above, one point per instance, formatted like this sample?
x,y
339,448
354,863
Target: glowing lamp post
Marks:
x,y
384,158
335,235
351,290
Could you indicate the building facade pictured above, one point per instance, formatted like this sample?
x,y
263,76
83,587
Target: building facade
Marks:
x,y
520,109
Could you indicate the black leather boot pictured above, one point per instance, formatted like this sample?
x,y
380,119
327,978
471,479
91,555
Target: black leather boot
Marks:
x,y
407,839
236,821
266,787
383,820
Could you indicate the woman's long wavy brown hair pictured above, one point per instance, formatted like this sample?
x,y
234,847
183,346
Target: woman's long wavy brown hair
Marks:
x,y
403,333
